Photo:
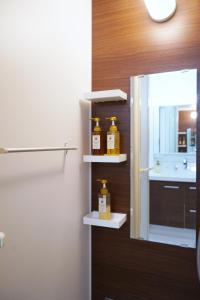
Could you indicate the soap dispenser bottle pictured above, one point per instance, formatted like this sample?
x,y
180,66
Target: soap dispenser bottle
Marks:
x,y
104,201
113,138
157,167
97,138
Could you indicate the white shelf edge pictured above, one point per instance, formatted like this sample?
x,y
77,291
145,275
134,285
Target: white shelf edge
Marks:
x,y
105,158
105,96
116,221
182,146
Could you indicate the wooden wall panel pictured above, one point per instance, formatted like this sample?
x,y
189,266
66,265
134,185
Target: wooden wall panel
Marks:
x,y
125,43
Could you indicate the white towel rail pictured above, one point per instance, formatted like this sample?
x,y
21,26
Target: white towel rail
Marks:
x,y
21,150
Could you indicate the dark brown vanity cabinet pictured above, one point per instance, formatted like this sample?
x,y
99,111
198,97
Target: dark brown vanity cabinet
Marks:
x,y
190,205
173,204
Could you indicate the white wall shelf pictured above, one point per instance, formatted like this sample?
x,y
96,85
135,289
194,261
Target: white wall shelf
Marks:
x,y
105,96
105,158
182,146
116,221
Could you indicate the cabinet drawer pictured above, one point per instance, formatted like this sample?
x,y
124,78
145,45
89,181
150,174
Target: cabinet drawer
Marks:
x,y
190,219
190,205
190,196
167,185
167,203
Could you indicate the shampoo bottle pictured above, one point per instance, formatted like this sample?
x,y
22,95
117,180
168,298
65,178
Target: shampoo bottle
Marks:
x,y
113,138
97,139
104,201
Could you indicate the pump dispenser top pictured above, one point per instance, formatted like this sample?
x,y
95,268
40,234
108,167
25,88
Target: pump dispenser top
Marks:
x,y
113,127
97,128
104,190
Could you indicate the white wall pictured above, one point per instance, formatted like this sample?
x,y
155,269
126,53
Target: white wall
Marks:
x,y
45,66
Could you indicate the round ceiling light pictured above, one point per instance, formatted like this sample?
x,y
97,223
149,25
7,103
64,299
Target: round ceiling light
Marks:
x,y
160,10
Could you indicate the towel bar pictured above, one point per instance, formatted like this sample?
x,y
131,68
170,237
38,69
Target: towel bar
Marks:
x,y
21,150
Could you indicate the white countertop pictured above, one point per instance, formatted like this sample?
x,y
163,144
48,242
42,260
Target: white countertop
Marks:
x,y
173,175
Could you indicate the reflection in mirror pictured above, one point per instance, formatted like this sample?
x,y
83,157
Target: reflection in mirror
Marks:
x,y
174,129
163,164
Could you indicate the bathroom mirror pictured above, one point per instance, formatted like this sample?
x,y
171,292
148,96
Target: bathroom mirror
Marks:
x,y
163,157
174,129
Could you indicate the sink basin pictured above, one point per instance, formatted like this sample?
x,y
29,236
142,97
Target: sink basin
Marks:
x,y
193,169
180,175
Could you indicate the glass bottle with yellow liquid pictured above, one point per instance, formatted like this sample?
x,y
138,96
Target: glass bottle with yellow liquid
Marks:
x,y
113,138
104,201
97,138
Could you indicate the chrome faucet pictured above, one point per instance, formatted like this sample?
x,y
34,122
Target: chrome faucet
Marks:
x,y
185,163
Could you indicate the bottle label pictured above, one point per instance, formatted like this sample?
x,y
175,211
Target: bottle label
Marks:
x,y
96,144
102,204
110,141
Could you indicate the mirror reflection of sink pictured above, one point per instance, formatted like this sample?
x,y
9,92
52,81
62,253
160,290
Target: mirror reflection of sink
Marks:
x,y
180,174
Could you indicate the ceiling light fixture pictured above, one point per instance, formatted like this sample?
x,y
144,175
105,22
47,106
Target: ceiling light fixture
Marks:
x,y
160,10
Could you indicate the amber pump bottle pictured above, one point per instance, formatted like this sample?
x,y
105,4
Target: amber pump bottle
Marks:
x,y
97,138
104,201
113,138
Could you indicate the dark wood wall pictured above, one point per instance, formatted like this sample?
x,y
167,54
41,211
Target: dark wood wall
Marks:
x,y
125,43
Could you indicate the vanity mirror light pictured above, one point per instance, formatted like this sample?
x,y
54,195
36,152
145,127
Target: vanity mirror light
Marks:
x,y
163,157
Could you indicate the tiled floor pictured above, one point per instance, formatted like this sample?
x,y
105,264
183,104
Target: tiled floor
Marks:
x,y
172,235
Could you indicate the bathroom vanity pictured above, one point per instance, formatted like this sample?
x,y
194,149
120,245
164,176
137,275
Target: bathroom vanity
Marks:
x,y
173,203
